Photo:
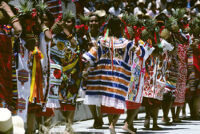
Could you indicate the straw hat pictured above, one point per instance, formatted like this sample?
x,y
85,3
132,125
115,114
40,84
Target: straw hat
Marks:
x,y
162,15
100,13
147,16
139,13
10,123
197,3
141,2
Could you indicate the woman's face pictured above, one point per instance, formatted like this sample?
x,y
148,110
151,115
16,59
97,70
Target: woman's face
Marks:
x,y
94,23
69,24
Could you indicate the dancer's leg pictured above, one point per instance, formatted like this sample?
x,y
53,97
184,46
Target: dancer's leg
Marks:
x,y
154,114
94,115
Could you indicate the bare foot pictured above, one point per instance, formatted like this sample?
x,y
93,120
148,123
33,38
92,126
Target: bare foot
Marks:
x,y
112,129
126,128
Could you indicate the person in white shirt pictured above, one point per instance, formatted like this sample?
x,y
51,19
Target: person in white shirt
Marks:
x,y
115,9
141,7
169,9
153,10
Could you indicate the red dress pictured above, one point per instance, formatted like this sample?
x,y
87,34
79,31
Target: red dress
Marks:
x,y
182,75
5,67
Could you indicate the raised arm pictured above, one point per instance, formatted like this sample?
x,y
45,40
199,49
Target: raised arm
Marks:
x,y
14,20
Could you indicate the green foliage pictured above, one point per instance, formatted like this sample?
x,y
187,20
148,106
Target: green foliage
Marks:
x,y
195,26
150,24
23,6
56,29
179,13
67,14
84,19
132,20
172,24
165,34
145,35
41,7
125,17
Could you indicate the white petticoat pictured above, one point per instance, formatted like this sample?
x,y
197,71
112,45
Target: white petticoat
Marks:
x,y
99,100
53,103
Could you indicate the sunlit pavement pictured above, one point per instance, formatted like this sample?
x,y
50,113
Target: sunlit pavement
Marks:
x,y
186,127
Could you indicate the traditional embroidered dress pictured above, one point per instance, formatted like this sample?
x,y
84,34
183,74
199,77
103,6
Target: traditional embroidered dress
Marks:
x,y
196,58
135,94
23,80
152,89
172,73
84,81
108,80
66,55
182,74
155,81
6,92
55,82
193,81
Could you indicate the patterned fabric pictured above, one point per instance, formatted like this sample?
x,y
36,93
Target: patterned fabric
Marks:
x,y
55,82
155,80
182,75
190,69
192,80
66,55
23,80
55,7
135,93
172,73
196,58
152,87
14,83
5,66
108,80
50,83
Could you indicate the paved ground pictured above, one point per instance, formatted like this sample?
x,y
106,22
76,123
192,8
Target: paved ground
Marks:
x,y
186,127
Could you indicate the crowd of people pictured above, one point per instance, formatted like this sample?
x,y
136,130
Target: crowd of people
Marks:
x,y
120,55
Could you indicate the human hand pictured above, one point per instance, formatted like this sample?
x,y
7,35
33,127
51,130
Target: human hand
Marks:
x,y
6,8
85,74
60,23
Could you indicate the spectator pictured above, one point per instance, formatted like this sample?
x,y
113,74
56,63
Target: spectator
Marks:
x,y
197,7
161,4
89,7
129,8
140,7
153,11
115,9
169,9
